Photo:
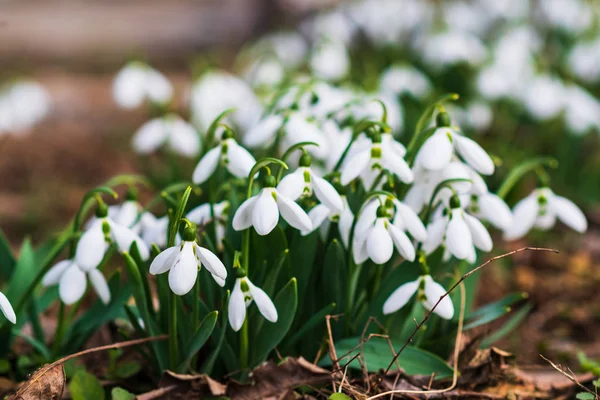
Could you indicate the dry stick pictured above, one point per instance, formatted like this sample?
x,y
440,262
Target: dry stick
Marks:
x,y
460,323
332,353
569,375
465,276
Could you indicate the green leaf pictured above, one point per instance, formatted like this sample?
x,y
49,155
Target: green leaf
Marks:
x,y
127,369
317,318
378,355
24,273
200,337
7,259
508,327
118,393
272,334
493,311
334,274
339,396
174,227
521,169
217,342
85,386
303,250
585,396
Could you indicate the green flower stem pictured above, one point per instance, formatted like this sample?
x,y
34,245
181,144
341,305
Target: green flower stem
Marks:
x,y
520,170
173,345
196,306
244,348
64,321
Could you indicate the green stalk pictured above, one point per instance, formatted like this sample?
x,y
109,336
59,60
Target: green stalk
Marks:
x,y
196,306
517,173
244,346
173,346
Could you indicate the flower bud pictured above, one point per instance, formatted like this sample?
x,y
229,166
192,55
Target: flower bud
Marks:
x,y
101,210
227,135
240,273
269,181
132,194
454,201
305,160
381,212
189,233
442,119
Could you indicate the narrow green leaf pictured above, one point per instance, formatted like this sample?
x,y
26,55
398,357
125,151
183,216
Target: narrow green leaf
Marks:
x,y
118,393
334,274
272,334
339,396
521,169
316,319
493,311
377,356
508,327
174,227
85,386
7,258
209,364
585,396
200,337
24,273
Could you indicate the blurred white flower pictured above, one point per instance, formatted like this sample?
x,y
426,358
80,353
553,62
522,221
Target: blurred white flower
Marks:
x,y
541,209
235,158
321,216
428,292
266,71
7,309
137,82
72,281
202,215
400,79
544,98
330,60
449,48
243,294
183,262
582,110
180,136
154,230
22,105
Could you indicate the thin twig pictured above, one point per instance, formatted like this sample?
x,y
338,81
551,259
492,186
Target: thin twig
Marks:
x,y
465,276
569,375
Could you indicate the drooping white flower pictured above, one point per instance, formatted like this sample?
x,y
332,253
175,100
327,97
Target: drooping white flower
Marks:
x,y
95,241
72,281
234,157
171,130
303,182
438,151
264,132
183,262
7,309
202,215
369,161
428,293
22,105
243,294
330,60
460,232
541,209
322,216
377,240
262,211
155,230
400,79
137,82
485,205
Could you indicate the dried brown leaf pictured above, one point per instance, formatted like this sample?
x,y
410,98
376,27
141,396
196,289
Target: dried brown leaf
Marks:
x,y
47,382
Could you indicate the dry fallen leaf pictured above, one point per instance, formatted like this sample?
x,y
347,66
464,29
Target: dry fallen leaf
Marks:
x,y
46,383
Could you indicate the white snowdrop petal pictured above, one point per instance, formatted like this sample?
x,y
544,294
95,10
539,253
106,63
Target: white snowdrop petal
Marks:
x,y
126,214
71,286
158,87
524,216
150,136
237,307
264,132
184,139
435,235
345,223
400,297
327,194
493,209
212,264
128,86
91,247
474,155
164,261
183,274
240,161
458,236
397,165
265,214
317,215
243,216
201,214
53,275
207,165
481,237
354,166
125,237
434,291
263,302
436,152
293,213
359,250
7,309
100,286
402,242
379,243
366,218
292,185
411,221
568,213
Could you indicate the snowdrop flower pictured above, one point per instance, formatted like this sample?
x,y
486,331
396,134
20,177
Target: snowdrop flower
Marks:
x,y
484,205
461,233
330,60
369,161
137,82
264,132
95,241
582,110
449,48
544,98
289,47
7,309
322,216
541,209
22,105
72,281
183,262
428,293
266,72
201,215
438,150
405,79
180,136
262,211
243,294
154,230
235,158
303,182
377,240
